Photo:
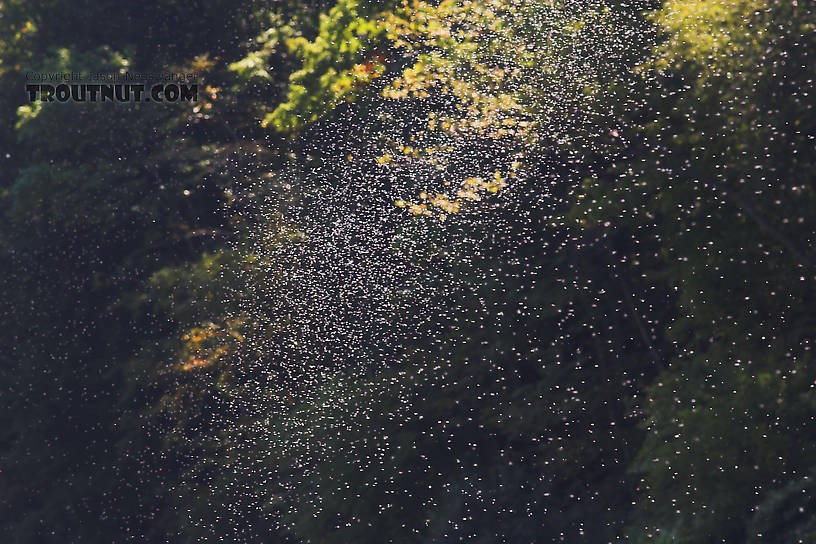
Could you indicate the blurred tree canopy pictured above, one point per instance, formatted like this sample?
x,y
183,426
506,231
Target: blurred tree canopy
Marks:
x,y
485,271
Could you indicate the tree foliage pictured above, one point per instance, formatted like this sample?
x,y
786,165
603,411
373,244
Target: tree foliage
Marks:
x,y
488,271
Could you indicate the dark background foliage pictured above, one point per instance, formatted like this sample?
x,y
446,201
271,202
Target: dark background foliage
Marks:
x,y
616,347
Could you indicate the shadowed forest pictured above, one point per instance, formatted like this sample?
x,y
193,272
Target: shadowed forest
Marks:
x,y
431,271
